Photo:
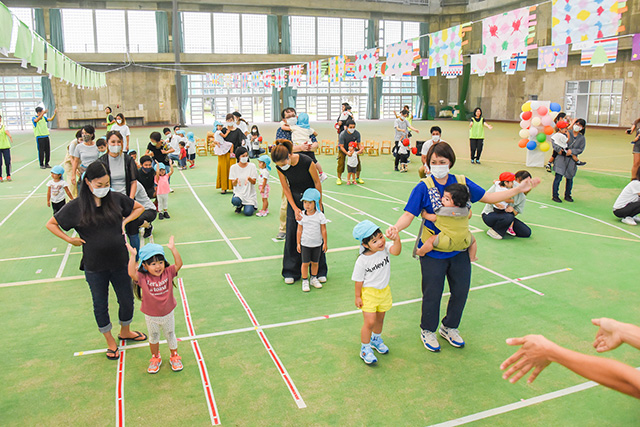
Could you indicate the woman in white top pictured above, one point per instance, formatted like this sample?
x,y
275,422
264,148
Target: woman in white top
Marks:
x,y
243,125
627,205
84,154
244,175
121,126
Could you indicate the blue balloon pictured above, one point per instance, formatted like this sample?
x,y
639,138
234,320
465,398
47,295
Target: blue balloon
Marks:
x,y
531,145
555,107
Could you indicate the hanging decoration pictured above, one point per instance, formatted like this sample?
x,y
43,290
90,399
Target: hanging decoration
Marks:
x,y
505,33
365,66
580,21
295,72
445,46
399,58
452,71
600,52
336,68
313,73
517,62
280,78
635,47
552,57
482,64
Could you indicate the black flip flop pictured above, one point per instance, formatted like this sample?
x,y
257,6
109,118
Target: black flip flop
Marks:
x,y
140,336
111,354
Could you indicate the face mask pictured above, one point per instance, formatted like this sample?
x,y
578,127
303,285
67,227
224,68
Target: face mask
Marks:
x,y
285,167
254,132
435,138
292,121
230,124
86,138
147,170
351,130
100,192
577,128
244,160
115,149
440,171
118,121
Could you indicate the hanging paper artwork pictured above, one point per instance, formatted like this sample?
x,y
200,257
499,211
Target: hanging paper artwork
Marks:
x,y
313,73
482,64
267,79
635,47
280,80
445,47
295,72
323,66
517,62
245,81
380,69
506,33
337,68
552,57
365,66
6,27
600,52
399,58
37,55
583,20
452,71
416,51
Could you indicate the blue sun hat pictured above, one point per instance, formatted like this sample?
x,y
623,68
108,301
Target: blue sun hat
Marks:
x,y
191,137
58,170
312,195
148,251
303,120
215,125
267,161
364,229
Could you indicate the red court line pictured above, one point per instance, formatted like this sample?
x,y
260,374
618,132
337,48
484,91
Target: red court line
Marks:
x,y
120,388
204,374
283,371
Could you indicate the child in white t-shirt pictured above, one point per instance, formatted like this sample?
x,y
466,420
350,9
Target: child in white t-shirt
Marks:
x,y
264,163
403,155
352,163
221,146
373,295
57,188
191,149
312,237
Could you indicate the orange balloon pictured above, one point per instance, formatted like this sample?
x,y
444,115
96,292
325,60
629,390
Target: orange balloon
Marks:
x,y
523,143
548,130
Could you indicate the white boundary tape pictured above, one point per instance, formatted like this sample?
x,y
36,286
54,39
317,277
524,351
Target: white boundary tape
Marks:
x,y
65,258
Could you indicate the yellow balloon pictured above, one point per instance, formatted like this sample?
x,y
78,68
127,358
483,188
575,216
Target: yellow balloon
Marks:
x,y
526,106
544,146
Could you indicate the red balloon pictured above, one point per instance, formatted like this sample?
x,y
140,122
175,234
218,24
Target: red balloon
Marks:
x,y
414,150
526,115
259,139
406,142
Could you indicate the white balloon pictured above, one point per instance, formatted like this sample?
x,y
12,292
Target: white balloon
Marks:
x,y
536,121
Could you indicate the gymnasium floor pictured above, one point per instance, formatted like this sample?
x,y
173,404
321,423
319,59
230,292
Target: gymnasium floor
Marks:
x,y
294,359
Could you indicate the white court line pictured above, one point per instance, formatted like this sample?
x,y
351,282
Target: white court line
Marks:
x,y
265,341
213,221
30,257
65,258
583,232
515,282
317,318
23,201
358,196
13,172
211,241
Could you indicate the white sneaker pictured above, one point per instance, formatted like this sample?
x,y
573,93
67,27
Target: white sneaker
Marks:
x,y
289,280
323,176
316,283
305,285
493,234
452,335
637,218
322,279
430,340
629,221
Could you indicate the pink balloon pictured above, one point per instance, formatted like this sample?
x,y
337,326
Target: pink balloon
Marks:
x,y
524,124
547,120
533,131
542,111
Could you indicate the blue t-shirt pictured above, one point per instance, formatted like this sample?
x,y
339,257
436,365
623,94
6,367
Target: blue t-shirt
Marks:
x,y
419,200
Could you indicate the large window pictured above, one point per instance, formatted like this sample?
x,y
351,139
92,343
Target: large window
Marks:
x,y
78,31
398,91
328,36
334,36
303,35
323,102
196,30
142,37
353,36
254,34
24,14
19,97
597,101
226,33
111,31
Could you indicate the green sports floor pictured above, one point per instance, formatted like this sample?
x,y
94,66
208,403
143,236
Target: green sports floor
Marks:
x,y
579,264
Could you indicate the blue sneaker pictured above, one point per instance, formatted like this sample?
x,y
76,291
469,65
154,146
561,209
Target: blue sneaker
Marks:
x,y
379,345
430,340
366,354
452,335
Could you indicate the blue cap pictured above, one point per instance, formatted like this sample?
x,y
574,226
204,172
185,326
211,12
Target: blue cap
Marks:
x,y
58,170
267,161
364,229
303,120
215,125
191,137
180,132
161,165
148,251
312,195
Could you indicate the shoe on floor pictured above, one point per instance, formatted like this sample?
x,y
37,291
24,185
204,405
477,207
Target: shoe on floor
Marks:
x,y
556,199
478,162
472,161
42,167
176,363
637,218
2,180
379,345
548,167
316,283
238,209
360,181
289,280
9,178
452,335
281,235
261,213
367,355
147,232
322,279
568,198
493,234
338,181
581,163
430,340
154,364
160,216
47,165
166,215
510,231
629,221
323,177
348,182
305,285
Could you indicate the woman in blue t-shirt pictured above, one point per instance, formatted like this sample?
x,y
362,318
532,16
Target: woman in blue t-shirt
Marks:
x,y
437,265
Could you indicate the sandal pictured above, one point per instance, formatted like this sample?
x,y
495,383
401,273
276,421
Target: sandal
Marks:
x,y
139,337
111,354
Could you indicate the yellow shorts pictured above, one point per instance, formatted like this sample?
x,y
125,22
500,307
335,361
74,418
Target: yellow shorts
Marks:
x,y
376,300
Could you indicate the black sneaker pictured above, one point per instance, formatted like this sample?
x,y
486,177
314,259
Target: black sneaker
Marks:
x,y
581,163
160,216
556,199
43,167
238,209
147,232
48,166
548,167
166,215
568,198
478,162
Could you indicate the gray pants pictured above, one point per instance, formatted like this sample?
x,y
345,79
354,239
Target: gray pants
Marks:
x,y
163,202
168,326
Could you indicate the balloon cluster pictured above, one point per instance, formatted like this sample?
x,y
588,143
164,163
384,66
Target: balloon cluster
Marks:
x,y
537,124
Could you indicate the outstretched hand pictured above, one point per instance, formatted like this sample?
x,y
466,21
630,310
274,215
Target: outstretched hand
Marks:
x,y
131,249
608,336
534,354
392,233
528,184
171,245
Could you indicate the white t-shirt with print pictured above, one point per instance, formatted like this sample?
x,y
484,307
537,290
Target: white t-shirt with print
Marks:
x,y
628,195
311,230
264,174
57,190
245,190
374,269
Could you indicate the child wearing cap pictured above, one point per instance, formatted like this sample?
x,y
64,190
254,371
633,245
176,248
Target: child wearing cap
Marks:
x,y
312,237
505,182
153,283
162,188
56,189
403,155
452,219
301,133
373,295
352,163
264,163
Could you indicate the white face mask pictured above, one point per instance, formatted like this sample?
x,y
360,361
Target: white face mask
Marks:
x,y
118,121
577,128
292,121
351,130
100,192
115,149
440,171
285,167
230,124
435,138
244,159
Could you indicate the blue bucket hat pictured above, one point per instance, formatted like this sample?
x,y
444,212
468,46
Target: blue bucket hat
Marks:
x,y
364,229
58,170
303,120
191,137
148,251
215,125
312,195
267,161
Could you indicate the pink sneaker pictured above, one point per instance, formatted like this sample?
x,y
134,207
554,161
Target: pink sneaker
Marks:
x,y
511,232
261,213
